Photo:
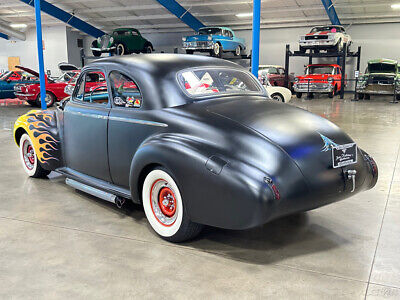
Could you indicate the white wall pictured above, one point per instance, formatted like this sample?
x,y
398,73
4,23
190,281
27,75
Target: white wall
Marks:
x,y
55,44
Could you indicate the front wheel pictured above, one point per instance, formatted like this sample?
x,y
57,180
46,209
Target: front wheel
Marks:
x,y
50,99
360,96
29,159
189,51
298,95
217,50
96,53
121,49
164,208
32,103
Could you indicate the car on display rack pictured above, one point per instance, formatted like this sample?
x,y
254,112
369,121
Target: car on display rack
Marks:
x,y
274,74
9,79
214,40
319,78
122,41
382,77
196,141
330,37
54,87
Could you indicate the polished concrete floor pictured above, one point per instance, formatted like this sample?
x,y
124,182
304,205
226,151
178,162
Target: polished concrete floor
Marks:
x,y
59,243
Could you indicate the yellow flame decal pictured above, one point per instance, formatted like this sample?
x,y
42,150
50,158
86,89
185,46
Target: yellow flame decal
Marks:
x,y
42,129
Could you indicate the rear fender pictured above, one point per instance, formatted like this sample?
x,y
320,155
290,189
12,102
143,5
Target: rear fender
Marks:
x,y
42,128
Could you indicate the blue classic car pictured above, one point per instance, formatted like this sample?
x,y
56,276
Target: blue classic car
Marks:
x,y
214,40
11,78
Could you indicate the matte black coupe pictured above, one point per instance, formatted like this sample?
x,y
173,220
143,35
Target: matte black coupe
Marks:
x,y
194,139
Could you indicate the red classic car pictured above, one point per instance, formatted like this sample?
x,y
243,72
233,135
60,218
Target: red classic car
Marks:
x,y
275,75
319,78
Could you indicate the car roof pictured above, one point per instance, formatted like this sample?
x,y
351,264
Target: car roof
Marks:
x,y
270,66
323,65
156,74
220,27
382,60
124,28
333,26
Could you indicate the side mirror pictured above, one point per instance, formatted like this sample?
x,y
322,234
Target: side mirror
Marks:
x,y
62,103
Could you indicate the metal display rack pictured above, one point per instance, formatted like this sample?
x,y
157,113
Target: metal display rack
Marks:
x,y
341,57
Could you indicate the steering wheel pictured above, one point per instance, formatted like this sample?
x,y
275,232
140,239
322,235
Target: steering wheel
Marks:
x,y
95,89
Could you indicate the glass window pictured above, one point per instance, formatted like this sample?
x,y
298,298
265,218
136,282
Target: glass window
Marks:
x,y
382,68
92,88
125,91
319,70
203,82
210,31
281,71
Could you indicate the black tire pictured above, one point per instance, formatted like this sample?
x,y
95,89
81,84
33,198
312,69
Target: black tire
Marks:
x,y
32,167
217,50
360,96
148,48
338,47
302,49
367,96
398,97
298,95
189,51
121,49
50,100
32,103
237,51
170,221
278,97
96,53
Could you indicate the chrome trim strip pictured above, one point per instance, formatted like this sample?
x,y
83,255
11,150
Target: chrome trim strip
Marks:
x,y
137,121
88,115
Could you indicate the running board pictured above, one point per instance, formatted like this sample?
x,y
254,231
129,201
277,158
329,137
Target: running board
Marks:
x,y
91,190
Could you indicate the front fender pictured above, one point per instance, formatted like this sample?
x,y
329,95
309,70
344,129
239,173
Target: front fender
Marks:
x,y
42,128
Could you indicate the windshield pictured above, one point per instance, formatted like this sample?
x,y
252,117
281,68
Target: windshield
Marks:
x,y
5,75
203,82
210,31
66,77
319,70
269,70
382,68
326,28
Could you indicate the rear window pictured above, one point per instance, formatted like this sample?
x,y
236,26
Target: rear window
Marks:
x,y
320,70
205,82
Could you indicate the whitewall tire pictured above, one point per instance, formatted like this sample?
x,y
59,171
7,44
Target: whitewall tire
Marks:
x,y
164,207
29,159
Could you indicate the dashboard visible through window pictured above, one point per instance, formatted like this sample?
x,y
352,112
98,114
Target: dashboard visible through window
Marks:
x,y
92,88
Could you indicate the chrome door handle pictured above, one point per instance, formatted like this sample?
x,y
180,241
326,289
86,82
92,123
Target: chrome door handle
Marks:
x,y
351,174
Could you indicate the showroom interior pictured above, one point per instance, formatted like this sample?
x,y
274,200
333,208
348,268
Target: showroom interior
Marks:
x,y
206,149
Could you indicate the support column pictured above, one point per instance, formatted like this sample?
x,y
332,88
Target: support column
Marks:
x,y
255,54
40,55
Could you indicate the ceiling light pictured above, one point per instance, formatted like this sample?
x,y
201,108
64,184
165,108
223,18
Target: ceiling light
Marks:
x,y
18,25
244,15
396,6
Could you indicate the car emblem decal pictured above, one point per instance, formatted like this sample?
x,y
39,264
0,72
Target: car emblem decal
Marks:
x,y
328,143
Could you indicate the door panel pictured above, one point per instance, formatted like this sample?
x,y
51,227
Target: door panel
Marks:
x,y
85,138
85,127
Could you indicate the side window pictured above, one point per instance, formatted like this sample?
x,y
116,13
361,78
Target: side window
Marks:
x,y
125,92
281,71
92,88
135,33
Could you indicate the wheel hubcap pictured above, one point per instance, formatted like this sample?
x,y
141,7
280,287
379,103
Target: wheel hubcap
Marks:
x,y
121,49
163,202
238,50
48,99
216,48
29,155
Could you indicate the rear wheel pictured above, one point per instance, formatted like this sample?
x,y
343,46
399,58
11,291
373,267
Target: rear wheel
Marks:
x,y
237,51
164,207
147,48
367,96
278,97
29,159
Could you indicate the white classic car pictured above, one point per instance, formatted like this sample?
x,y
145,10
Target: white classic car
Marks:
x,y
278,93
330,38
